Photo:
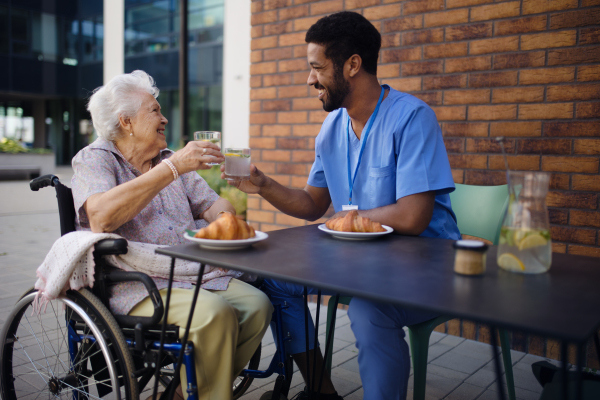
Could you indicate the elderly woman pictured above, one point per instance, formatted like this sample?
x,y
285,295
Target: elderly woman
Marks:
x,y
127,182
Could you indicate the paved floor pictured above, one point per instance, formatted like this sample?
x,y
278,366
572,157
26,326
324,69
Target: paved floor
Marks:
x,y
458,369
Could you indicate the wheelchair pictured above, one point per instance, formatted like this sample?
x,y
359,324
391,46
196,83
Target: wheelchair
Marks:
x,y
75,347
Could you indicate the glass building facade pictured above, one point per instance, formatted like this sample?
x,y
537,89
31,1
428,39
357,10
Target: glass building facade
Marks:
x,y
51,55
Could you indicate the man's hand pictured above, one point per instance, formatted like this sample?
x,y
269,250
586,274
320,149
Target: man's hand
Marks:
x,y
340,214
253,185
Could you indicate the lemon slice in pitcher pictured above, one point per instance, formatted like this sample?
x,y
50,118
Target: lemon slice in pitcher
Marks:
x,y
510,262
533,240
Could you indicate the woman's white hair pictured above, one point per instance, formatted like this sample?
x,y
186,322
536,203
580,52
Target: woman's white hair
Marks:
x,y
120,97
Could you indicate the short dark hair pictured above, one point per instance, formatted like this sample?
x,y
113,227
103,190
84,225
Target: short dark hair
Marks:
x,y
344,34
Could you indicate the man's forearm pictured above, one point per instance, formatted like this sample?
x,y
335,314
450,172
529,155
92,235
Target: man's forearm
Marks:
x,y
295,202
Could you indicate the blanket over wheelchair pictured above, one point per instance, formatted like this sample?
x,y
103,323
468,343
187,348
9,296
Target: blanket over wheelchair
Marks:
x,y
70,265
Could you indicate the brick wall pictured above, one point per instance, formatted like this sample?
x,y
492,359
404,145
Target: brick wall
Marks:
x,y
528,70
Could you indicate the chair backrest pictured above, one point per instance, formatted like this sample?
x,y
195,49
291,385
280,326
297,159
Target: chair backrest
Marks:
x,y
480,210
66,208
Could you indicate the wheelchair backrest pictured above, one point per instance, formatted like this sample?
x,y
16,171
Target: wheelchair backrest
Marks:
x,y
64,196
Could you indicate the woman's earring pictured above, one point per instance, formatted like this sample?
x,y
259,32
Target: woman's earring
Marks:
x,y
131,134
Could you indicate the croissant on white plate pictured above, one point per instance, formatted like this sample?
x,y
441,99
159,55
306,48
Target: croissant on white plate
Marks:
x,y
352,222
226,227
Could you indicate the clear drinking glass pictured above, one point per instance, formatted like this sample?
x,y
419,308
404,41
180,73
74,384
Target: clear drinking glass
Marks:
x,y
525,244
237,163
209,136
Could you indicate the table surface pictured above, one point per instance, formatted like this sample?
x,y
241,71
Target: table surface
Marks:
x,y
563,303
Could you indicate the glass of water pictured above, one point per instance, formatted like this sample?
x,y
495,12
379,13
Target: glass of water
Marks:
x,y
209,136
237,163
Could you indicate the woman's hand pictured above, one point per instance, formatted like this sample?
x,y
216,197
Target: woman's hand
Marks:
x,y
253,185
195,155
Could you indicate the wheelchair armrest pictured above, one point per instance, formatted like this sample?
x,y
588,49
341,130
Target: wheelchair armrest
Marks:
x,y
108,247
129,320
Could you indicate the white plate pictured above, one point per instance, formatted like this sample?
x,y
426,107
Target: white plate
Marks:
x,y
356,235
213,244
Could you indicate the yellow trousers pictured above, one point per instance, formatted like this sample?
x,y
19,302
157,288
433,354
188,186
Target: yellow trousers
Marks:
x,y
227,328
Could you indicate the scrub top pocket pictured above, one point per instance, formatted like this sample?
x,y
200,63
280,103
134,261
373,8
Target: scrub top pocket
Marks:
x,y
382,185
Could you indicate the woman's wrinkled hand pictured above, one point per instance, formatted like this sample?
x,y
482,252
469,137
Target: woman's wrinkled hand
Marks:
x,y
253,185
195,155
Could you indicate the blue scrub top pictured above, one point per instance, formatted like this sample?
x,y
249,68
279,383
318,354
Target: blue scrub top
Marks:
x,y
404,155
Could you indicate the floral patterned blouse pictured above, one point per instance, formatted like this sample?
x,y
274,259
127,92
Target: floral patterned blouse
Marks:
x,y
99,167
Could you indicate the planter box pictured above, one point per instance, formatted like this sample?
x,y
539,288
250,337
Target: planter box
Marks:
x,y
26,165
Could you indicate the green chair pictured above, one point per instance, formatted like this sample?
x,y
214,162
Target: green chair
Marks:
x,y
479,211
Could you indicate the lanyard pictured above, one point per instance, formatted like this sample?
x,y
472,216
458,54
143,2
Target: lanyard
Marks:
x,y
362,146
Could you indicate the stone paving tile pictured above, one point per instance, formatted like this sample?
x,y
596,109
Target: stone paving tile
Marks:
x,y
436,350
437,387
357,395
459,361
446,372
478,350
465,392
351,365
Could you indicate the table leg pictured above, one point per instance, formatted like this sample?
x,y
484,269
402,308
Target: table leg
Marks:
x,y
564,356
580,361
308,383
163,329
314,369
329,329
493,332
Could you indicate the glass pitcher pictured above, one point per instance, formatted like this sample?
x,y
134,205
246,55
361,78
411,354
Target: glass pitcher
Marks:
x,y
525,244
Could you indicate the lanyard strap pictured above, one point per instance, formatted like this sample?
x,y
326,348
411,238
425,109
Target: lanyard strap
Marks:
x,y
362,146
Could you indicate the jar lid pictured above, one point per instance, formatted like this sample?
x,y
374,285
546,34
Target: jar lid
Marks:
x,y
473,245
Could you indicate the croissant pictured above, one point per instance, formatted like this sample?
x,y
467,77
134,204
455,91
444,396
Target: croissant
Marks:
x,y
352,222
227,227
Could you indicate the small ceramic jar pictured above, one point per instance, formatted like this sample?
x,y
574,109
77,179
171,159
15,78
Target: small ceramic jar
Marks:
x,y
470,257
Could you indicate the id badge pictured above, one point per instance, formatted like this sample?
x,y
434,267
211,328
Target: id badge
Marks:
x,y
349,207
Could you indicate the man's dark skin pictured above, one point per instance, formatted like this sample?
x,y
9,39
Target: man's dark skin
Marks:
x,y
410,215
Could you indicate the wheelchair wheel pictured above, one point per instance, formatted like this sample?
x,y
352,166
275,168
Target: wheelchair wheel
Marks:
x,y
74,349
242,383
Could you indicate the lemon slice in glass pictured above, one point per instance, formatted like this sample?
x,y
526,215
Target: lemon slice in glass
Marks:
x,y
232,155
510,262
533,240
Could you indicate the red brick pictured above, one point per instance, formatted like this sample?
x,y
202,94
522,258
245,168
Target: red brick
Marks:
x,y
263,93
256,81
291,144
300,78
253,203
466,64
520,25
579,128
431,98
388,71
590,54
548,39
303,156
293,117
572,200
303,24
293,12
585,218
298,182
489,146
276,155
278,28
589,3
454,145
382,12
422,68
262,143
465,3
469,32
311,103
573,235
574,19
445,50
574,92
590,183
293,65
516,129
485,178
280,53
275,4
546,111
263,68
588,110
586,146
255,130
496,11
450,113
294,91
492,113
256,7
284,219
520,60
492,79
291,169
391,40
423,37
470,161
423,6
277,80
263,18
458,175
317,117
589,36
559,182
516,163
264,43
444,82
556,248
277,130
326,7
476,96
351,4
558,217
570,164
260,216
400,55
403,24
518,95
546,75
277,105
256,31
292,39
544,146
256,56
587,73
541,6
584,251
404,84
256,106
445,18
306,130
469,129
495,45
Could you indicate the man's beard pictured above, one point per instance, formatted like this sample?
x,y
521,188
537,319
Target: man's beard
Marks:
x,y
336,93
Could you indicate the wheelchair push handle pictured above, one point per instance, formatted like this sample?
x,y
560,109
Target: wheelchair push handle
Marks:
x,y
43,181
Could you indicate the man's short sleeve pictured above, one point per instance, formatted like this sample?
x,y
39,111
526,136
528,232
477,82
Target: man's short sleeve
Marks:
x,y
93,173
422,163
